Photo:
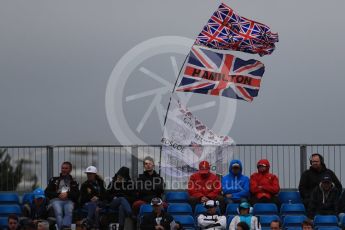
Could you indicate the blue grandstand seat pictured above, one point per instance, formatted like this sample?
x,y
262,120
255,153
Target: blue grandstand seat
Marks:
x,y
6,209
9,198
292,209
187,221
289,197
265,209
293,221
27,198
200,208
293,228
329,228
325,220
228,220
144,209
231,209
3,222
177,197
180,209
265,220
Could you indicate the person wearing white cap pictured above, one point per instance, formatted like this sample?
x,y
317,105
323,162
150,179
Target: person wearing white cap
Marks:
x,y
244,215
92,196
210,219
63,192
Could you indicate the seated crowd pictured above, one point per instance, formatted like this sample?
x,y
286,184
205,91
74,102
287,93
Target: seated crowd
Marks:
x,y
319,187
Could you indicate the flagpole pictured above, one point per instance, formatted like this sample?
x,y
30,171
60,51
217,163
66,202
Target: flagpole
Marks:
x,y
166,114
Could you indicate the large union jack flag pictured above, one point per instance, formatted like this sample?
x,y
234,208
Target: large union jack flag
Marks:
x,y
228,30
218,73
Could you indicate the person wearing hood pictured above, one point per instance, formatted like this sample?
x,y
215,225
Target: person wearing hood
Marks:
x,y
244,215
149,185
122,194
63,193
35,210
92,196
235,185
264,186
324,198
204,185
311,178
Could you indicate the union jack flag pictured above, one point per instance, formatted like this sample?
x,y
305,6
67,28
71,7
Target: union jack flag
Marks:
x,y
228,30
218,73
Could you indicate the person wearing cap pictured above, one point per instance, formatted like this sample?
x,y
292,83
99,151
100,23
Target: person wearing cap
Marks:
x,y
264,186
204,185
35,210
93,196
158,218
63,193
244,215
324,198
311,178
210,219
122,194
235,185
149,185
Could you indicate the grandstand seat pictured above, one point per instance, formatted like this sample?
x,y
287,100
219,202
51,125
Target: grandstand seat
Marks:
x,y
3,222
9,198
325,221
228,220
265,220
180,209
187,221
293,221
27,198
177,197
292,209
144,209
329,228
6,209
289,197
231,209
265,209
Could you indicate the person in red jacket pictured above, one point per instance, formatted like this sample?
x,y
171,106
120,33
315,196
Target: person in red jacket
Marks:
x,y
264,186
204,185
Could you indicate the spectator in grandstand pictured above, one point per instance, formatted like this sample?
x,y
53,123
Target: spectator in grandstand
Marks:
x,y
122,194
311,178
264,186
204,185
241,226
158,218
324,198
307,225
149,185
210,219
93,196
235,186
275,225
244,215
63,192
43,225
36,210
12,222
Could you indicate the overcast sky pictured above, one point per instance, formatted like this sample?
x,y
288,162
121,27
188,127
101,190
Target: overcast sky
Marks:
x,y
56,59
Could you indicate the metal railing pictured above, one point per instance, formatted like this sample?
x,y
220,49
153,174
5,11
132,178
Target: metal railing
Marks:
x,y
39,163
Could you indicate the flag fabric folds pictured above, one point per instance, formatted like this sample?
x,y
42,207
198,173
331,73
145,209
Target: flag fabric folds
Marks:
x,y
230,31
186,141
219,73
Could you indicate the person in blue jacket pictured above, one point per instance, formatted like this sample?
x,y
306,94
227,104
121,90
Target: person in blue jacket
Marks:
x,y
235,185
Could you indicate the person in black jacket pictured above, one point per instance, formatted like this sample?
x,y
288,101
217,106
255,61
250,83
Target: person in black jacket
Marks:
x,y
149,185
312,177
63,192
324,198
122,194
93,196
158,219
